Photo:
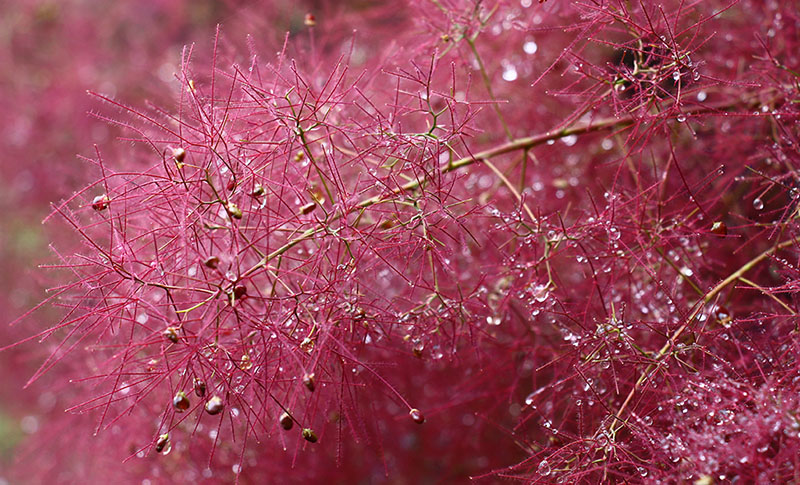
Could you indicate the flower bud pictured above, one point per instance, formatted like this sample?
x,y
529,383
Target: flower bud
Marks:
x,y
215,405
308,381
286,421
308,208
309,435
171,334
180,402
199,387
100,202
162,442
179,154
234,210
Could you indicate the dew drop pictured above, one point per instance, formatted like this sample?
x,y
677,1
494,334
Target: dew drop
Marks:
x,y
544,468
613,233
540,293
758,204
681,118
701,96
570,140
416,416
510,73
530,47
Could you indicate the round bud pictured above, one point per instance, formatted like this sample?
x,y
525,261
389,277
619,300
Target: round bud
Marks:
x,y
180,402
286,421
211,262
171,334
258,191
162,442
234,210
309,382
719,228
239,291
310,20
199,387
179,154
215,405
417,416
100,203
308,208
309,435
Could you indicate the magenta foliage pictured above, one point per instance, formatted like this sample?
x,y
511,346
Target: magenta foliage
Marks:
x,y
548,242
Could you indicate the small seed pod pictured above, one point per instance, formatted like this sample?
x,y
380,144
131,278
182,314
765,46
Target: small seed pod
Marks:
x,y
418,348
286,421
299,156
309,382
100,203
162,442
309,435
310,20
180,402
199,387
179,154
719,228
239,291
258,191
308,208
445,37
417,416
234,210
211,262
215,405
171,334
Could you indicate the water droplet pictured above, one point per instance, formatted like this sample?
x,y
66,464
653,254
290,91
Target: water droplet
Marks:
x,y
494,320
569,140
540,293
544,468
701,96
530,47
613,233
758,204
681,118
416,416
676,75
509,73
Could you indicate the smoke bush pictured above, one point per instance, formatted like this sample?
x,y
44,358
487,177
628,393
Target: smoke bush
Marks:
x,y
548,242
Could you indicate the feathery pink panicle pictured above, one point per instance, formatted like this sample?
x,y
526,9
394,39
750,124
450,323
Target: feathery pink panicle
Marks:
x,y
558,236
